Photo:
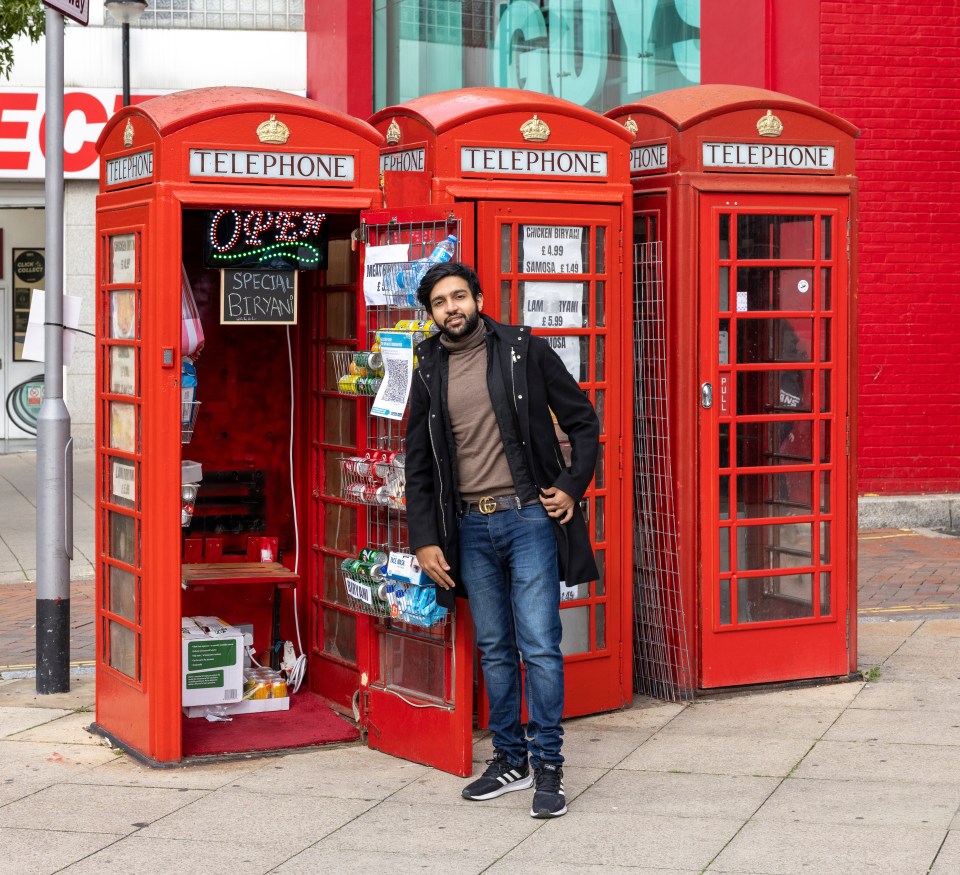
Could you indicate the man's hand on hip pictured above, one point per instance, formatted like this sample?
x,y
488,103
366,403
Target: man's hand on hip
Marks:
x,y
558,504
433,562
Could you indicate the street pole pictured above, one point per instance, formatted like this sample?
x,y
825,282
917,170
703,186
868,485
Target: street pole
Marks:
x,y
54,444
125,27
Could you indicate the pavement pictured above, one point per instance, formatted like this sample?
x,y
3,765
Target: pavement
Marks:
x,y
856,777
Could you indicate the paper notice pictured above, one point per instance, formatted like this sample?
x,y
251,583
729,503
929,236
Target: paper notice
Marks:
x,y
375,259
553,305
396,349
33,343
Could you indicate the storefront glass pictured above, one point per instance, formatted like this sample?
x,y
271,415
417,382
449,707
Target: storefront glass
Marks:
x,y
597,53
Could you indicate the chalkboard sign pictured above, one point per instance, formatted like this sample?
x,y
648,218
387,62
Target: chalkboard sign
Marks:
x,y
261,297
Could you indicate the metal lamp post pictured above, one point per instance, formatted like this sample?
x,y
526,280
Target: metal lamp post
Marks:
x,y
126,11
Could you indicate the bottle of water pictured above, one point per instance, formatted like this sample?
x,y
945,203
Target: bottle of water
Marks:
x,y
410,280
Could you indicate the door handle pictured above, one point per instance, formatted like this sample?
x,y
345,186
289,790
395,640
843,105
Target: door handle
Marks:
x,y
706,395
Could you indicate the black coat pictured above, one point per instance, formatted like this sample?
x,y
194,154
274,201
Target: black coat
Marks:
x,y
524,370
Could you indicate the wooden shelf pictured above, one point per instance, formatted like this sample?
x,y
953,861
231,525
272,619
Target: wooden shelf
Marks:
x,y
233,573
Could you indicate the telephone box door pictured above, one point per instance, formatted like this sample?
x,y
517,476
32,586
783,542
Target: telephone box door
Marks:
x,y
558,269
773,421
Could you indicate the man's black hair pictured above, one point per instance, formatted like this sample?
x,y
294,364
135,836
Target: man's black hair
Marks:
x,y
442,270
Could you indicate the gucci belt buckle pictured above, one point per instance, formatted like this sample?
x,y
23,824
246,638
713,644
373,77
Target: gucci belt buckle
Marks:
x,y
487,504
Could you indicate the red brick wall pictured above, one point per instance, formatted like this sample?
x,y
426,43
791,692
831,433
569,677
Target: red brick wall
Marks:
x,y
893,69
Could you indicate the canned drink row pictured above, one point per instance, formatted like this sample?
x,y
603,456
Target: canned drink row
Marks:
x,y
355,384
391,494
382,464
264,683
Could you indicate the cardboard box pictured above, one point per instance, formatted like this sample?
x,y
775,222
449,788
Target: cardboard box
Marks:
x,y
211,662
247,706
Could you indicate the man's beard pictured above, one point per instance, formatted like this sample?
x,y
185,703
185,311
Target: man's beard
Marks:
x,y
466,327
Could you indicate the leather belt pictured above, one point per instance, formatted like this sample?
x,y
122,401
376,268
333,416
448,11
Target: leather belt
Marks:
x,y
491,504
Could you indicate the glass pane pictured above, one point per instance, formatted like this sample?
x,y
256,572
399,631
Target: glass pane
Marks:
x,y
825,432
339,634
598,477
576,630
826,237
724,342
777,237
554,305
761,393
825,600
333,588
599,402
340,527
723,287
601,586
123,649
774,443
826,298
412,665
123,537
123,259
123,426
123,593
601,359
600,255
506,301
825,400
332,475
774,288
600,627
599,521
122,486
825,541
724,549
123,370
765,599
340,311
599,311
724,457
506,248
340,422
724,602
123,313
553,249
774,340
724,496
825,491
826,354
787,545
574,352
774,495
724,238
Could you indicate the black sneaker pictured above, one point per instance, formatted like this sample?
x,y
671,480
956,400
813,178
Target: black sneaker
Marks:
x,y
549,799
499,778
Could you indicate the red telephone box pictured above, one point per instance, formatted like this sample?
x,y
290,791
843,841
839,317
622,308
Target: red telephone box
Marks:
x,y
227,211
537,192
745,259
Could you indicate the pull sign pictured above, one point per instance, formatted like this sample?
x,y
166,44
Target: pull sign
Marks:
x,y
706,396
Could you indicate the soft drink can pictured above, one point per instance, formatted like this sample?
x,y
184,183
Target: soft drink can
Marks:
x,y
369,554
357,465
348,384
370,571
385,463
371,385
369,361
430,327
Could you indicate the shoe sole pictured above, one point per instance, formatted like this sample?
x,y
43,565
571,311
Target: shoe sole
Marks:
x,y
522,784
546,815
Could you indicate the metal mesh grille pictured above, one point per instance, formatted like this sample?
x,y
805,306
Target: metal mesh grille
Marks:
x,y
661,655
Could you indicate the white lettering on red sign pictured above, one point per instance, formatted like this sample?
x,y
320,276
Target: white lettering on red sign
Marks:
x,y
406,159
130,168
228,163
23,130
644,158
767,156
532,162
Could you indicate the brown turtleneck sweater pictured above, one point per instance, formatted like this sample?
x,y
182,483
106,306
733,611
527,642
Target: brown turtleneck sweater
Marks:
x,y
482,467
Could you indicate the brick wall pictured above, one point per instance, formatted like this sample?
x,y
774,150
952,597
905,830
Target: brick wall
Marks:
x,y
893,69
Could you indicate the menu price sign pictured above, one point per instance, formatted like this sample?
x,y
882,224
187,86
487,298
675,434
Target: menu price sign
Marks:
x,y
551,249
553,305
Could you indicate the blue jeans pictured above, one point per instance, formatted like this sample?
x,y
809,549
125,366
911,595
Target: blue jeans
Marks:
x,y
508,563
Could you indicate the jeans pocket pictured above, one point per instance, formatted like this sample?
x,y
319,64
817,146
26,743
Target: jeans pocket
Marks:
x,y
532,513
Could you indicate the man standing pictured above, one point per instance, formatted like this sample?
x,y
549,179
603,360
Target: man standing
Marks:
x,y
493,514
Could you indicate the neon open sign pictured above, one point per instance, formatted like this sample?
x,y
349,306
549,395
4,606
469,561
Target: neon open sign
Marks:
x,y
270,239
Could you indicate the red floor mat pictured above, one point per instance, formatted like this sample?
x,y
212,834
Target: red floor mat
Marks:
x,y
308,722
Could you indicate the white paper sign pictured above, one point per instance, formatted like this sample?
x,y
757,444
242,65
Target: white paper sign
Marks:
x,y
396,350
569,592
33,343
375,260
553,305
124,258
359,591
124,481
742,305
552,249
123,370
568,348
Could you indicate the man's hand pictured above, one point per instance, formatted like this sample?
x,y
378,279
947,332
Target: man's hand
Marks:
x,y
433,562
558,504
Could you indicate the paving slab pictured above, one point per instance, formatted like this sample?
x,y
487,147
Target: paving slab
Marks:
x,y
33,852
781,848
125,771
14,788
321,859
881,761
745,754
671,794
862,803
84,808
137,853
601,746
664,843
14,720
72,728
948,858
948,628
907,727
734,717
513,867
49,762
452,831
890,693
833,695
22,693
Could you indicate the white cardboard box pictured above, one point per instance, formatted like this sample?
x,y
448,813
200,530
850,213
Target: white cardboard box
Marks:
x,y
211,662
247,706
